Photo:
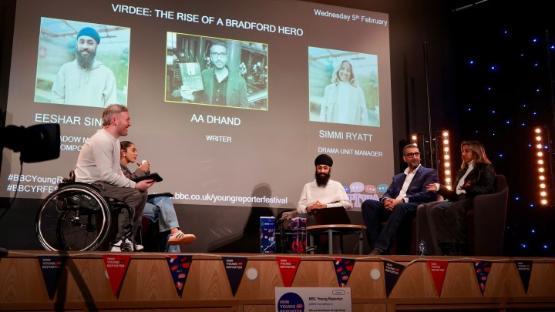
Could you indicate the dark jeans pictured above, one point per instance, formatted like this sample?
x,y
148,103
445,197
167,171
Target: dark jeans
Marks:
x,y
374,213
132,197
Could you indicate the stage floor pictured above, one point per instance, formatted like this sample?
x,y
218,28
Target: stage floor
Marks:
x,y
38,280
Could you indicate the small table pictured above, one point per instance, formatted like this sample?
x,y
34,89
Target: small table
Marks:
x,y
341,229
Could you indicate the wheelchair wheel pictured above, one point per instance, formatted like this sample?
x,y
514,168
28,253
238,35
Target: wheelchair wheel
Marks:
x,y
73,218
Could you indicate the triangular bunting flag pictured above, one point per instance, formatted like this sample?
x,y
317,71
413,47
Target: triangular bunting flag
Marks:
x,y
524,270
343,269
234,267
51,267
288,267
179,268
116,267
392,273
482,271
438,269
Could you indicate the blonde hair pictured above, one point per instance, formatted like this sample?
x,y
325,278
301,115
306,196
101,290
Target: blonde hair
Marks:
x,y
478,151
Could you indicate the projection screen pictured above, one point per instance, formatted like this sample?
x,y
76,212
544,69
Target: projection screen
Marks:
x,y
303,79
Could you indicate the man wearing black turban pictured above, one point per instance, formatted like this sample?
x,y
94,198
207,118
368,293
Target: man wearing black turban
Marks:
x,y
323,192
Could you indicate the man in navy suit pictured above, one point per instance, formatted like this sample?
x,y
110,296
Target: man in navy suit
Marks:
x,y
399,202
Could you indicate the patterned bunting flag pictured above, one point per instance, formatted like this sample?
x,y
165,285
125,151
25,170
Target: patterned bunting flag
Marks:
x,y
524,270
234,268
179,266
116,267
288,267
438,269
343,269
51,267
392,273
482,271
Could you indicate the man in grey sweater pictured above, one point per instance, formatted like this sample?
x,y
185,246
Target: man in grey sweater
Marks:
x,y
99,164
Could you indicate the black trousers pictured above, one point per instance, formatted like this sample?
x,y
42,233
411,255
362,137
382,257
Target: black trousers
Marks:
x,y
442,223
374,213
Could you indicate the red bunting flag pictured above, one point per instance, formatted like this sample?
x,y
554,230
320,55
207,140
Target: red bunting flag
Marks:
x,y
438,270
288,267
116,267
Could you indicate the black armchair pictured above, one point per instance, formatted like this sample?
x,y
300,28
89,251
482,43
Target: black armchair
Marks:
x,y
486,221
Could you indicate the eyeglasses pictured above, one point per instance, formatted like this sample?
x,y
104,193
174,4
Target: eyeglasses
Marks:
x,y
412,154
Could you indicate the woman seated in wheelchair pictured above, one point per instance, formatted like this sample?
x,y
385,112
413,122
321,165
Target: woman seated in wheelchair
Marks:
x,y
157,207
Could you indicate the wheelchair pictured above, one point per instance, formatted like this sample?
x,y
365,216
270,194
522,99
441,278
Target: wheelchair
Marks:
x,y
76,217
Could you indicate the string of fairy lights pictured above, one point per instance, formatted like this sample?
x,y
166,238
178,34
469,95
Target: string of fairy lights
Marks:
x,y
542,184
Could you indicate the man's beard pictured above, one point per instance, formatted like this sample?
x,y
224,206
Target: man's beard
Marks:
x,y
413,165
86,61
322,178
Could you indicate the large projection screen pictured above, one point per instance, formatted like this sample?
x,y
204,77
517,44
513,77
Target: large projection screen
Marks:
x,y
303,79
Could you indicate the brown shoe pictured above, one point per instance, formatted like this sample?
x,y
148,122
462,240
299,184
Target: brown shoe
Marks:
x,y
376,252
179,238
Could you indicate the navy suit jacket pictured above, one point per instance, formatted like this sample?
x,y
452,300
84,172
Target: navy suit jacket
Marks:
x,y
416,193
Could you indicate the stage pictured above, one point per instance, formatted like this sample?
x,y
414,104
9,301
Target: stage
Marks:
x,y
385,283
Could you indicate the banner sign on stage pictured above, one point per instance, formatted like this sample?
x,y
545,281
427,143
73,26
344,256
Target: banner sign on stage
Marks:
x,y
482,271
234,268
179,266
524,270
438,270
312,299
392,273
288,268
116,267
343,269
51,267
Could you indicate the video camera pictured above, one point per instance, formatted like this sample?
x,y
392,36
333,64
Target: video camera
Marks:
x,y
36,143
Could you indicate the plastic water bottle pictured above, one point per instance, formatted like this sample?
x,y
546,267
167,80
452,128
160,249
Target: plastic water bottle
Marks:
x,y
421,248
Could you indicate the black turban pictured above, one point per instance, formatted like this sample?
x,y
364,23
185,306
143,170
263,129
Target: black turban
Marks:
x,y
323,159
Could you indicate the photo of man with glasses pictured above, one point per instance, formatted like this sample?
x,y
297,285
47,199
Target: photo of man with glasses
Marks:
x,y
221,72
223,86
399,202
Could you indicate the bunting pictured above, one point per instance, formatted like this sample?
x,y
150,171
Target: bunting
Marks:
x,y
288,268
343,269
52,268
482,269
524,270
179,266
116,267
234,268
438,270
392,273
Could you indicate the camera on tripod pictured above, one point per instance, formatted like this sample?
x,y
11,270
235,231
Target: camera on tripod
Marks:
x,y
35,143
